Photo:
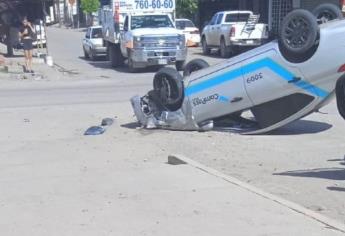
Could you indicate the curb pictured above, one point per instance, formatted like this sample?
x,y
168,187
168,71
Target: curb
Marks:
x,y
180,159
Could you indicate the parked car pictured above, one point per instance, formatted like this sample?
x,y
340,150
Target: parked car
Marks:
x,y
192,34
272,85
93,43
230,31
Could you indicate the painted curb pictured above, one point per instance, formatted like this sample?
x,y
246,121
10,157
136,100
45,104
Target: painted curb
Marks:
x,y
291,205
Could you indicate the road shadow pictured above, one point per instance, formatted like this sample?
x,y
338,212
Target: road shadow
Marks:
x,y
302,127
338,189
144,132
213,54
336,160
322,173
102,63
131,125
296,128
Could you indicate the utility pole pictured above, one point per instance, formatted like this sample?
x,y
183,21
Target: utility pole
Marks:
x,y
57,3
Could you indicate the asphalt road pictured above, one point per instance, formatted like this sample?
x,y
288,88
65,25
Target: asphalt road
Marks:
x,y
303,162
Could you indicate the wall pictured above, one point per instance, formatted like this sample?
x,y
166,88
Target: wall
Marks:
x,y
311,4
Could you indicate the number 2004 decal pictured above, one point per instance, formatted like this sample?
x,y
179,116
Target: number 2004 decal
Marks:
x,y
254,78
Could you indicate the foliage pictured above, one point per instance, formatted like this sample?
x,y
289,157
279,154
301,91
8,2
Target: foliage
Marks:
x,y
90,6
186,8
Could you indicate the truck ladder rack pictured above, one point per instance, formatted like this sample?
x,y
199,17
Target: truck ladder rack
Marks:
x,y
250,24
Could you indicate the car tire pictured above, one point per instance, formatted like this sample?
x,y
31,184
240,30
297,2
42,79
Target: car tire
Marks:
x,y
130,63
86,55
131,67
92,56
168,85
180,65
327,12
205,49
115,55
224,50
298,35
194,65
340,95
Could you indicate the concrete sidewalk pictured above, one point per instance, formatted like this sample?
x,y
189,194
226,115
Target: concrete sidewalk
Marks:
x,y
13,68
151,199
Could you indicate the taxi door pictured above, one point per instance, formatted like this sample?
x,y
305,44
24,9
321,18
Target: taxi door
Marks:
x,y
277,88
217,91
267,77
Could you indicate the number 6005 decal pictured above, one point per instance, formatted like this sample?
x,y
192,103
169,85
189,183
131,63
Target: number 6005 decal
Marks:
x,y
254,78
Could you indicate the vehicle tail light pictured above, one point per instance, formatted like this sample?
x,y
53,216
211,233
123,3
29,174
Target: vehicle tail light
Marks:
x,y
232,32
341,69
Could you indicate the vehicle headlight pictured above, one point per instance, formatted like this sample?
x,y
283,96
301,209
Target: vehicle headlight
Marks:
x,y
137,42
181,40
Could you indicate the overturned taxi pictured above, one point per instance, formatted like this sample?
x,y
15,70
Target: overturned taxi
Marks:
x,y
257,91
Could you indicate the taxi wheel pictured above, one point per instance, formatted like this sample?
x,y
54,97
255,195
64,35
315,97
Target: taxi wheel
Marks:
x,y
194,65
327,12
168,86
299,32
340,95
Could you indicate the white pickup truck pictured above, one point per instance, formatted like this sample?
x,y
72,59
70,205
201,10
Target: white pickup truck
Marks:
x,y
231,30
143,32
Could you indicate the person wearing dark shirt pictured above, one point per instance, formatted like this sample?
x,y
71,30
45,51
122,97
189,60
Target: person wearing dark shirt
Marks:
x,y
26,34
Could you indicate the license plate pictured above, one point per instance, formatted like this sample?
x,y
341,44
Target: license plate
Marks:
x,y
250,41
162,61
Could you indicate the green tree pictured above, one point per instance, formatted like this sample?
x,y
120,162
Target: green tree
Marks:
x,y
90,6
186,8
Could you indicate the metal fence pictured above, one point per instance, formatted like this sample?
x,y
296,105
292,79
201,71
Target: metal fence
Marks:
x,y
280,8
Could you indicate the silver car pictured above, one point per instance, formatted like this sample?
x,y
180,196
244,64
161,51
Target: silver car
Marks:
x,y
257,91
93,43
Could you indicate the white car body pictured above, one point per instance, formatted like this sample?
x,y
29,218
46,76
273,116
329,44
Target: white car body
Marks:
x,y
236,28
143,33
192,34
93,42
